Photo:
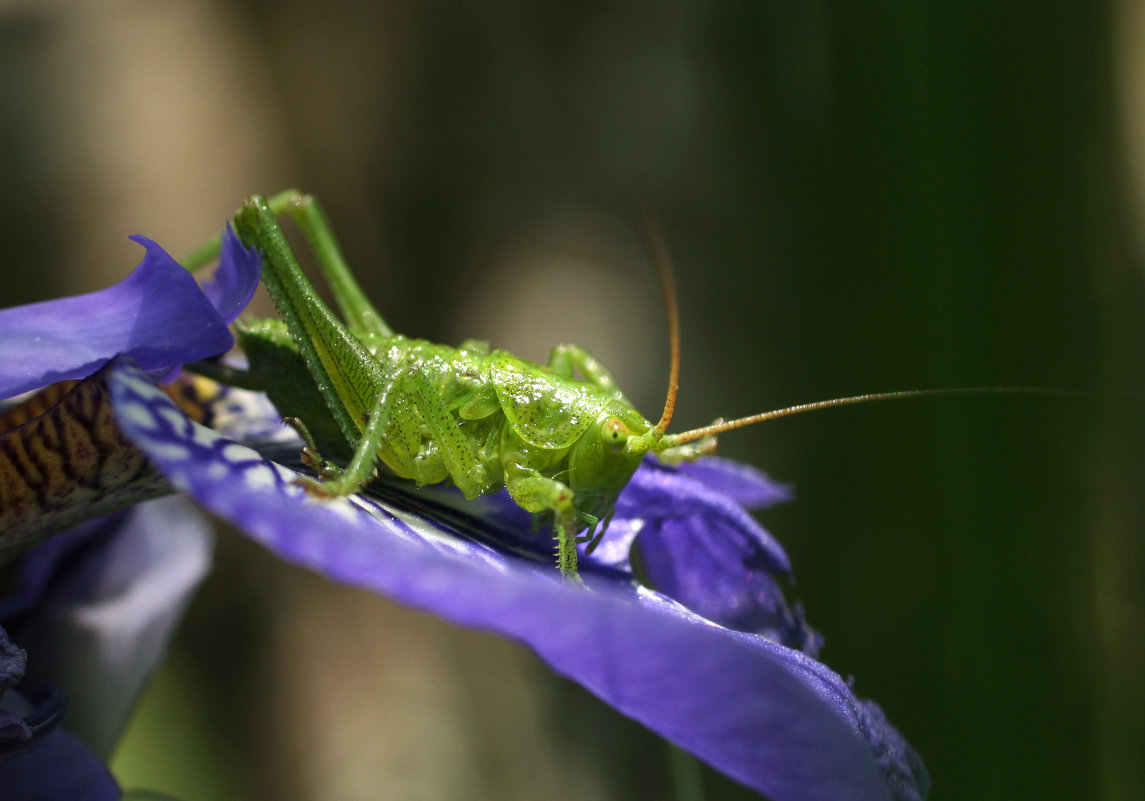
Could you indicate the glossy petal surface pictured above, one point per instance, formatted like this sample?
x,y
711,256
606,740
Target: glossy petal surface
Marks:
x,y
764,714
158,315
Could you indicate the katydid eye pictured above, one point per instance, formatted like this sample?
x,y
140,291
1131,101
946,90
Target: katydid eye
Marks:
x,y
615,434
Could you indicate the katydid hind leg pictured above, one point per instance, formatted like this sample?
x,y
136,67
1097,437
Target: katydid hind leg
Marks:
x,y
343,369
361,316
363,465
209,250
383,426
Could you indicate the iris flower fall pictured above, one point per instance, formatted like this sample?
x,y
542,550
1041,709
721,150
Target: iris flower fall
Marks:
x,y
681,626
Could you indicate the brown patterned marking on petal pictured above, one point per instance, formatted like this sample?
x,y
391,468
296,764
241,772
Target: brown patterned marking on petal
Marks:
x,y
36,405
67,464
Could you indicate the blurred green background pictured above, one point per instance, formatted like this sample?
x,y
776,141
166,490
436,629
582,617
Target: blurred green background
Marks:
x,y
858,197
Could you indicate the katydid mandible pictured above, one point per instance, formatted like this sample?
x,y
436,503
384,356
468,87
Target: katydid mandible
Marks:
x,y
482,419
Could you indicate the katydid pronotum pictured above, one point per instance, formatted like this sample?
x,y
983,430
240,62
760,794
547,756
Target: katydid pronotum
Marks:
x,y
564,447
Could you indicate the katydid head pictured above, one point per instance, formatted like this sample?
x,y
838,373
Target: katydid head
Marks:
x,y
601,463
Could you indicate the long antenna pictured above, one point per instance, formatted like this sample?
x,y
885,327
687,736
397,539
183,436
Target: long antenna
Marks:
x,y
718,428
658,253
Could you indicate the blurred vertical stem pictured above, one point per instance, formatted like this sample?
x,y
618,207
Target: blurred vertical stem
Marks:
x,y
1117,549
687,774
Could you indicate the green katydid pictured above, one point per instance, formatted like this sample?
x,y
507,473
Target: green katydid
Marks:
x,y
482,419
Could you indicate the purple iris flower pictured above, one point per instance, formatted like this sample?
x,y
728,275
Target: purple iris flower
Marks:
x,y
95,607
38,759
93,610
712,659
158,315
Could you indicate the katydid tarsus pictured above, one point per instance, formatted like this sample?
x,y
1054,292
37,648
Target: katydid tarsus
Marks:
x,y
564,447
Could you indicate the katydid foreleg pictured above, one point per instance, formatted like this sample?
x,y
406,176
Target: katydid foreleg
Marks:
x,y
538,494
346,374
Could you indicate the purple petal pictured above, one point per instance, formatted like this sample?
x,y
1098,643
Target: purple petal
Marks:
x,y
744,484
736,539
98,605
13,662
764,714
682,558
59,768
38,760
39,569
697,545
907,776
236,278
52,764
157,314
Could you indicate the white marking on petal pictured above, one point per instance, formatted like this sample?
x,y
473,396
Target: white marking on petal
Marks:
x,y
173,416
345,509
137,414
237,454
259,477
147,391
204,436
165,449
426,532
